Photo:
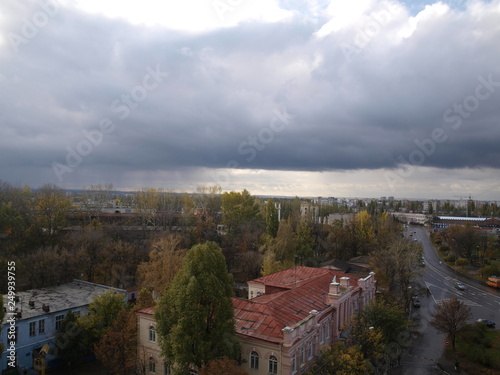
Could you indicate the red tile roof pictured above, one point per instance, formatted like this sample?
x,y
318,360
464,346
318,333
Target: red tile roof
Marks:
x,y
148,311
265,316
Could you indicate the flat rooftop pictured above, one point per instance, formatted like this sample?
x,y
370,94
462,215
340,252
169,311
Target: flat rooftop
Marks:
x,y
59,298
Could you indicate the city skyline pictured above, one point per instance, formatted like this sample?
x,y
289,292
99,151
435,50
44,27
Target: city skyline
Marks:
x,y
307,98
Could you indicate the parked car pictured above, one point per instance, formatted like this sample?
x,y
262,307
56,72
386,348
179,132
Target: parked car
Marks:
x,y
416,302
459,286
488,323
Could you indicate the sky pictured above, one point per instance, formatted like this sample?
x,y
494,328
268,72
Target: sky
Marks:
x,y
337,98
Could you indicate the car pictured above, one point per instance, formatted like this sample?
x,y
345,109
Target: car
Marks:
x,y
459,286
416,302
488,323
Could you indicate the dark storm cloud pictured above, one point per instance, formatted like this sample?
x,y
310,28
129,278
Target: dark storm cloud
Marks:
x,y
216,94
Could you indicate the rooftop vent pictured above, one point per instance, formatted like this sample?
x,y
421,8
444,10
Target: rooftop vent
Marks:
x,y
32,304
45,308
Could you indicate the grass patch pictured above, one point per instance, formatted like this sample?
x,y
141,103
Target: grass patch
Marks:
x,y
478,350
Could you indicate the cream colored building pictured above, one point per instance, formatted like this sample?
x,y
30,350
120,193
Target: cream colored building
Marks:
x,y
289,315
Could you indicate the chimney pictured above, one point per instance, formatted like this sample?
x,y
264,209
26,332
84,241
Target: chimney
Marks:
x,y
334,286
45,308
333,293
344,282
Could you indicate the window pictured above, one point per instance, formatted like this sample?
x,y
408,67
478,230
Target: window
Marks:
x,y
77,314
41,326
152,334
322,335
152,365
32,329
254,360
167,369
192,372
302,356
309,349
59,319
273,365
294,363
328,330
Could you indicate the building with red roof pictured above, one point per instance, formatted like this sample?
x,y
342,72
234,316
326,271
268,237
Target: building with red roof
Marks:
x,y
289,315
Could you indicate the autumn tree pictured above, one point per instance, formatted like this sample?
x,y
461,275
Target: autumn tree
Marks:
x,y
117,349
223,366
165,260
369,339
144,300
463,240
50,209
195,315
146,203
339,360
208,199
397,267
90,241
450,316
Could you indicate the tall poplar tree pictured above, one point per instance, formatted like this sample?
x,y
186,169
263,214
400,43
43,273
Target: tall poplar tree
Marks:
x,y
195,320
272,223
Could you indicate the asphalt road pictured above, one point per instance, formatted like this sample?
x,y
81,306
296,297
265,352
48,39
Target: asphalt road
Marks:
x,y
426,343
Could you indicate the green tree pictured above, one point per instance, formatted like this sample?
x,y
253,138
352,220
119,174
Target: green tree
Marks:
x,y
69,340
239,209
451,316
101,314
304,242
195,314
272,223
389,318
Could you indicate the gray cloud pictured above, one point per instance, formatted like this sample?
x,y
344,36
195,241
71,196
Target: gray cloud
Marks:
x,y
362,112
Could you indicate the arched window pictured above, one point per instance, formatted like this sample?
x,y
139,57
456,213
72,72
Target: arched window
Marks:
x,y
152,365
254,360
273,365
152,333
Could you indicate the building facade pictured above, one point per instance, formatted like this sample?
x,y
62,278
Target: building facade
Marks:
x,y
36,319
289,315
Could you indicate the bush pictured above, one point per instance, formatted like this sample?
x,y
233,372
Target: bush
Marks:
x,y
461,262
450,258
488,271
444,248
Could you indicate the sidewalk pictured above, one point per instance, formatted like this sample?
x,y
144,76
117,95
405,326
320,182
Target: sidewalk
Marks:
x,y
448,367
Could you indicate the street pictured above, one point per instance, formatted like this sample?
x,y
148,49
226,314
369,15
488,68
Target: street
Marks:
x,y
427,346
